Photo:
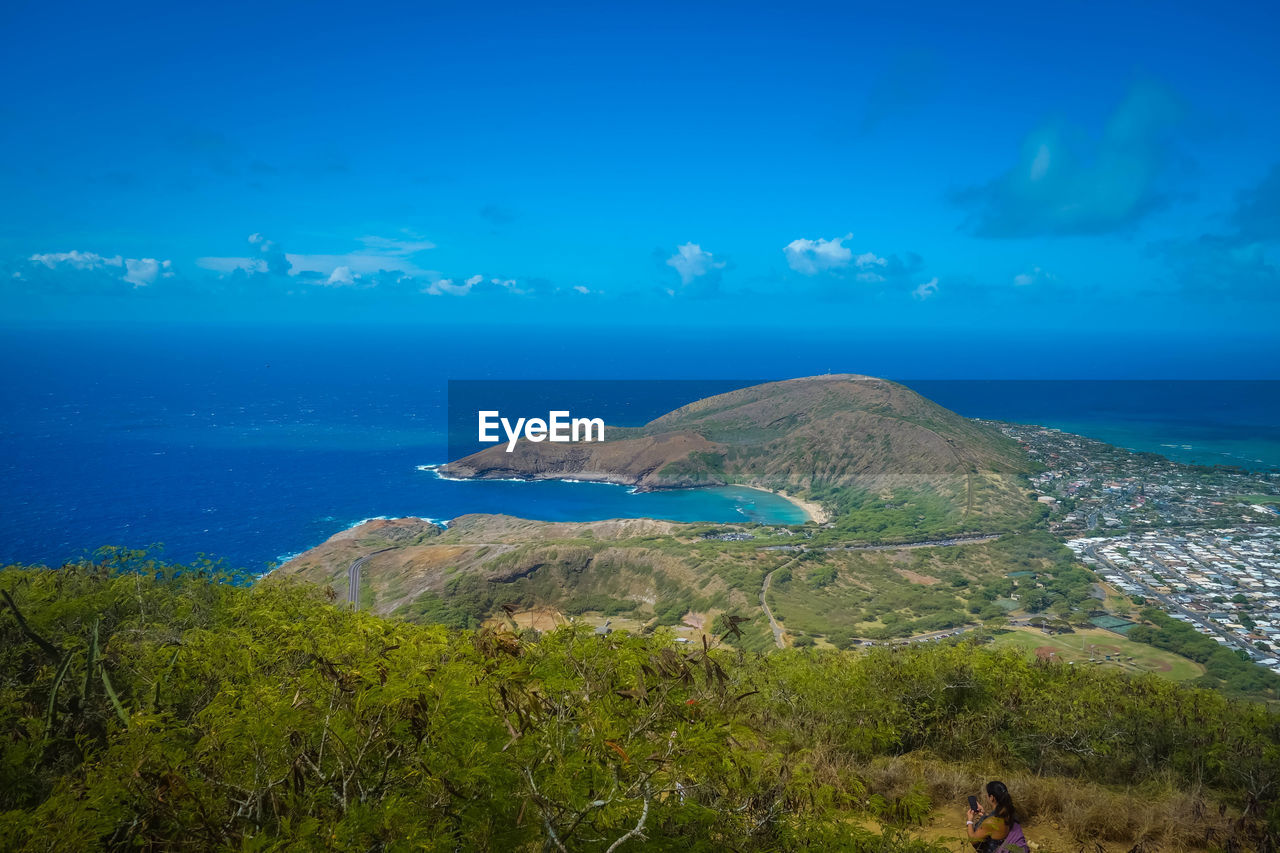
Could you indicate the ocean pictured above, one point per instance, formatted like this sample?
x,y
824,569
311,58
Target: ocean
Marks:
x,y
253,444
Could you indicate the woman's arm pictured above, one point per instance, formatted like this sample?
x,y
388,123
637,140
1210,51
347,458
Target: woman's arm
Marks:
x,y
974,828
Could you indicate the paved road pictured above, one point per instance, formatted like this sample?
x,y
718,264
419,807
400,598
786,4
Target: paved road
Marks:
x,y
764,590
901,546
773,623
353,578
778,630
927,543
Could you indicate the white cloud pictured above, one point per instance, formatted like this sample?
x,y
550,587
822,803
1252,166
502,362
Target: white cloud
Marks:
x,y
143,271
871,266
924,291
446,286
581,289
77,260
342,276
691,262
379,254
510,285
1040,164
810,257
1036,275
139,272
410,244
230,265
1069,181
277,263
363,263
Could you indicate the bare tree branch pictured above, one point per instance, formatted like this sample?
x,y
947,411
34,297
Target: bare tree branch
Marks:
x,y
636,831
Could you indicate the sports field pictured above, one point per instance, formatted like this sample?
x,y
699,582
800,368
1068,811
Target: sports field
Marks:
x,y
1125,654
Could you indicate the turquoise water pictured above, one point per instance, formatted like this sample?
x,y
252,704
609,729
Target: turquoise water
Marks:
x,y
1202,422
1188,444
570,500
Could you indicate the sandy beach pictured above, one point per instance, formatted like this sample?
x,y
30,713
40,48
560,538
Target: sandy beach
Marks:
x,y
811,508
814,509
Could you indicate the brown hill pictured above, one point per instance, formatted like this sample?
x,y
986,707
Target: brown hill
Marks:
x,y
410,558
843,439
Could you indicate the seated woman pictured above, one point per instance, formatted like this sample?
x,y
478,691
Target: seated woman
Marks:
x,y
991,823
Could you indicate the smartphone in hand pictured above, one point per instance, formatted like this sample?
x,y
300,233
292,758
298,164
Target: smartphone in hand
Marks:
x,y
973,802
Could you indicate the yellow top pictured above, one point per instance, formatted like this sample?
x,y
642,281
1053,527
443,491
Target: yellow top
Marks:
x,y
994,826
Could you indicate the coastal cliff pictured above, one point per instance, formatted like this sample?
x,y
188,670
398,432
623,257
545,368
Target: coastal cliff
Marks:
x,y
643,461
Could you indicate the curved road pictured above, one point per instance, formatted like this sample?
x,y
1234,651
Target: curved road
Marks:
x,y
764,590
968,539
779,631
773,623
353,577
972,539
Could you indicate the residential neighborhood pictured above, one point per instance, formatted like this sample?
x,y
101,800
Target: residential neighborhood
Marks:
x,y
1091,486
1201,543
1224,582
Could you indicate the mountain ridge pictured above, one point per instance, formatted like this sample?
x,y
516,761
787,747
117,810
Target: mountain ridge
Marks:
x,y
839,439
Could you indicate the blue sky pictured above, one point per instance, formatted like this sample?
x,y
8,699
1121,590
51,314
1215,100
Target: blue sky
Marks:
x,y
937,168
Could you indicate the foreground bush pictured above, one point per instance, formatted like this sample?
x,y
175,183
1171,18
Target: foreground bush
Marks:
x,y
165,707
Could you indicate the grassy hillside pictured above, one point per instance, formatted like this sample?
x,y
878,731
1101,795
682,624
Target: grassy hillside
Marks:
x,y
641,574
670,573
152,706
1096,646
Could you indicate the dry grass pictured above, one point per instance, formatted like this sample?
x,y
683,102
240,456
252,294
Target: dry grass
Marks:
x,y
1155,817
